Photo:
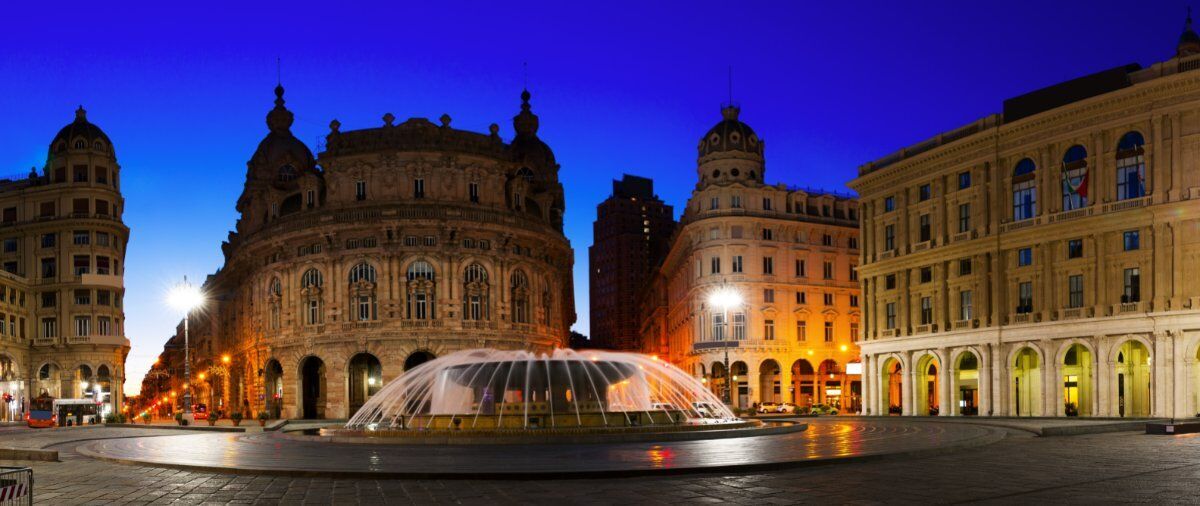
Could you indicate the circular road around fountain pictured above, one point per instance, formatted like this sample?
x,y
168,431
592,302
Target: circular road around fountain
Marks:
x,y
826,440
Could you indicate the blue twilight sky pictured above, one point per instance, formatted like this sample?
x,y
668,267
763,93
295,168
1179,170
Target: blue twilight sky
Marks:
x,y
620,87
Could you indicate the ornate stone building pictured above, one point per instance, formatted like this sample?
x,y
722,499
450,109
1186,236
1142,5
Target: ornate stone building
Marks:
x,y
396,245
790,256
1043,261
63,251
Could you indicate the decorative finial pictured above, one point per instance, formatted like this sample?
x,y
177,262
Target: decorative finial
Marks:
x,y
730,112
525,100
80,114
445,119
279,119
388,119
334,126
494,129
525,122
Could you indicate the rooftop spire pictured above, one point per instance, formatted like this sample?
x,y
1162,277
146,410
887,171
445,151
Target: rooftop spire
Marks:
x,y
80,114
279,119
1189,41
525,122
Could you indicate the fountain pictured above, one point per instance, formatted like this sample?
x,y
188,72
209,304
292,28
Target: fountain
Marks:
x,y
508,391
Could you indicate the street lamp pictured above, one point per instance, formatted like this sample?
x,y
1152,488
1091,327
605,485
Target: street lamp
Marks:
x,y
725,298
186,297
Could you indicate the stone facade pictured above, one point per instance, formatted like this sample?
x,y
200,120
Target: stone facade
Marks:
x,y
631,234
61,289
396,245
1043,261
791,256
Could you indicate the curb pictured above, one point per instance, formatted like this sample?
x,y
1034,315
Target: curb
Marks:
x,y
176,427
28,454
994,435
467,440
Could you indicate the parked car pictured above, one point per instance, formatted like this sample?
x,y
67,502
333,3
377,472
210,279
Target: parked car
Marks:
x,y
768,407
786,407
705,409
200,412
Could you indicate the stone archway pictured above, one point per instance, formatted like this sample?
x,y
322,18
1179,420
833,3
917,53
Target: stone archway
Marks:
x,y
718,380
273,388
769,378
830,381
803,376
1132,380
417,358
364,377
1026,384
313,395
1077,372
966,384
928,398
892,382
740,395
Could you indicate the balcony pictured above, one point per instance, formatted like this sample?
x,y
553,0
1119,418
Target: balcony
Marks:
x,y
922,246
108,280
478,325
1022,318
889,333
1073,313
44,341
1127,204
420,324
887,254
366,324
1127,308
964,324
927,328
1018,225
1072,214
963,236
79,340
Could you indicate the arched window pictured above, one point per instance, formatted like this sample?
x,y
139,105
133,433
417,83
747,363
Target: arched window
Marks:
x,y
475,293
311,279
287,173
362,288
1131,167
275,288
421,285
520,296
80,144
1074,178
1024,190
274,293
525,173
98,146
362,272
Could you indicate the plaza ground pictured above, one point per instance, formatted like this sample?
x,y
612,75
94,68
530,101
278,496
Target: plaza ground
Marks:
x,y
1017,468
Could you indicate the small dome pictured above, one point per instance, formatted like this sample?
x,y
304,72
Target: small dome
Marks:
x,y
280,148
526,147
1189,42
80,130
730,135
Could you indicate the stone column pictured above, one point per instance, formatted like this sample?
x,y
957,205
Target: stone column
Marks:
x,y
946,404
907,389
1000,383
985,382
867,387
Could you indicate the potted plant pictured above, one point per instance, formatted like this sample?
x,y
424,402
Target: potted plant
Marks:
x,y
146,418
262,418
933,410
212,418
236,416
894,410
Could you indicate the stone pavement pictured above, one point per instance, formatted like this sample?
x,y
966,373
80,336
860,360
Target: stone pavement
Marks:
x,y
830,439
1089,469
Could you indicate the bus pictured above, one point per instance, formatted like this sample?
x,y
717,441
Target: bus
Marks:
x,y
41,412
76,411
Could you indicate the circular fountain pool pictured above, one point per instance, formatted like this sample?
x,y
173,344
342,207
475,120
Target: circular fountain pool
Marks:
x,y
493,392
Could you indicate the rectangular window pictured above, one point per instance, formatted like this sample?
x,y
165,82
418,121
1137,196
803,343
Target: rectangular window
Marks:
x,y
889,282
83,326
890,316
768,234
49,327
827,270
102,266
473,191
853,301
1024,199
102,207
926,310
828,299
365,308
81,238
10,215
964,180
768,295
926,274
310,197
964,218
1075,248
1025,297
768,265
829,332
801,298
924,231
854,332
46,210
79,207
852,243
419,188
49,270
715,265
82,264
1024,257
49,240
714,234
853,273
83,297
104,297
1131,170
735,232
10,245
924,193
739,326
718,326
432,241
102,239
889,204
769,330
49,299
1132,290
800,269
104,325
766,204
964,267
736,266
1075,291
889,237
966,305
715,203
1132,240
735,201
801,330
360,190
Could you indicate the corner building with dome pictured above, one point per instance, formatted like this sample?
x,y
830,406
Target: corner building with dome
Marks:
x,y
395,245
788,253
62,264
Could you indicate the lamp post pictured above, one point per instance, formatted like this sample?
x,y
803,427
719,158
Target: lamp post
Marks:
x,y
186,297
725,298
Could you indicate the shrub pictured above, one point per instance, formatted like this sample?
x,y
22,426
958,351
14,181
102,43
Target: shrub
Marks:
x,y
212,416
236,416
263,415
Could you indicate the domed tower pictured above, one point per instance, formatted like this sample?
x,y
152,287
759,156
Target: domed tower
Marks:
x,y
1189,42
69,246
730,152
533,186
281,177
